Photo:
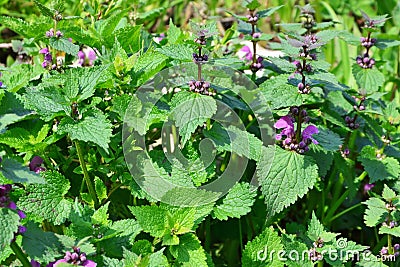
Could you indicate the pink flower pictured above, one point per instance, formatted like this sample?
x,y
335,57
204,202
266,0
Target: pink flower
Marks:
x,y
249,54
308,132
86,57
285,123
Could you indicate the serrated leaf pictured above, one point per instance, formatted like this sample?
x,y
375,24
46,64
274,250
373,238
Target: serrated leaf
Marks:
x,y
375,213
129,38
316,230
294,248
190,110
63,44
387,168
268,12
177,51
290,177
388,194
329,140
236,203
101,189
189,252
18,76
41,246
279,93
47,200
369,80
100,216
16,172
17,25
93,127
235,140
151,218
174,33
44,9
9,222
257,251
147,65
383,44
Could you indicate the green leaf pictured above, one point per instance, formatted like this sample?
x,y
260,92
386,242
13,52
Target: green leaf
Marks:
x,y
129,38
41,246
9,222
257,252
181,52
147,65
17,25
279,93
190,110
174,33
383,44
63,44
236,203
290,177
329,140
387,168
101,189
151,218
81,82
395,231
189,252
376,212
93,127
235,140
251,4
316,230
100,216
47,201
369,80
268,12
120,104
44,10
16,172
294,248
18,76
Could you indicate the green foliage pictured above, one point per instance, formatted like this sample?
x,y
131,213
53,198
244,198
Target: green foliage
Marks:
x,y
9,222
46,201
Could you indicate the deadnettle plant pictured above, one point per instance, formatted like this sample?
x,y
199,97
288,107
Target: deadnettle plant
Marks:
x,y
6,202
36,164
76,257
290,136
86,57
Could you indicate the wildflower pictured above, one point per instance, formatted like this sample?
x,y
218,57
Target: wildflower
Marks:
x,y
35,164
286,123
368,187
257,65
50,33
256,35
86,57
201,87
76,258
159,38
48,58
248,54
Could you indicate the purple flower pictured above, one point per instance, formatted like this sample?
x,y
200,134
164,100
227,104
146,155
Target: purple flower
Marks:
x,y
35,263
249,54
368,187
285,123
59,34
12,205
86,57
160,38
21,214
44,51
308,132
50,33
256,35
35,163
76,258
1,84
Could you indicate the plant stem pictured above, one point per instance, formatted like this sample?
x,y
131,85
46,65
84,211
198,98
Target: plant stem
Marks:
x,y
86,176
240,235
20,254
207,242
344,212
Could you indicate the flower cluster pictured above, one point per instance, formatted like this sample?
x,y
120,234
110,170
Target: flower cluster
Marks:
x,y
307,12
307,46
288,133
351,122
86,57
313,254
36,164
76,257
199,58
6,202
50,33
252,17
48,59
396,250
201,87
1,83
365,61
